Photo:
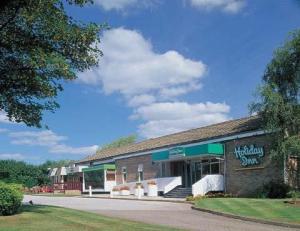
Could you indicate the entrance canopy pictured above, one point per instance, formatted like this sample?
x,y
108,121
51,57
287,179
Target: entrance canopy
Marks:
x,y
100,167
181,152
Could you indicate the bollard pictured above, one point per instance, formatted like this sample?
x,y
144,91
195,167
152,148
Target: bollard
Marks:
x,y
139,192
90,191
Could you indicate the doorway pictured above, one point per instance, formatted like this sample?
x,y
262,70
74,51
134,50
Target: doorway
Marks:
x,y
183,169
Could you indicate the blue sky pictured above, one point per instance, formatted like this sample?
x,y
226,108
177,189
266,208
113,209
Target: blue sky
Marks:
x,y
168,66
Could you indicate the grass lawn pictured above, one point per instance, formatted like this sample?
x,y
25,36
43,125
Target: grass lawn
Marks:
x,y
268,209
35,217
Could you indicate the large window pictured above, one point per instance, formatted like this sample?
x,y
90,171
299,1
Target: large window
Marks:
x,y
206,167
95,179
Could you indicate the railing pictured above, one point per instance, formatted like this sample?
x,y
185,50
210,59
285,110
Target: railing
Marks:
x,y
73,186
67,186
166,184
207,184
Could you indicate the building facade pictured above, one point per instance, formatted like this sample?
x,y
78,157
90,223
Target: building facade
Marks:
x,y
233,157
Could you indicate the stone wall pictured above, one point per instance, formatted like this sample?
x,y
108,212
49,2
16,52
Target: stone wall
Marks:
x,y
150,170
245,181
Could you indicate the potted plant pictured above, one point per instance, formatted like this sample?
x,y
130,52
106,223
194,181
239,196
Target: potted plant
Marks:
x,y
152,189
125,191
139,190
115,192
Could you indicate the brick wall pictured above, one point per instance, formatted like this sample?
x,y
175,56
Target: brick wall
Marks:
x,y
150,170
245,181
242,181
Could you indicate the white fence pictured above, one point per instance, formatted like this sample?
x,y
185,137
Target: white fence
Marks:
x,y
207,184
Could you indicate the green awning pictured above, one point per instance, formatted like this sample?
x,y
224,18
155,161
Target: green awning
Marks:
x,y
190,151
100,167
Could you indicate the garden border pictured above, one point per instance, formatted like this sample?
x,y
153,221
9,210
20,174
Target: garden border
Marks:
x,y
261,221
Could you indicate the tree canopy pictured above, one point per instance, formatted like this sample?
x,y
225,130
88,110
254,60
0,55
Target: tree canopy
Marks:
x,y
278,102
120,142
12,171
55,163
40,48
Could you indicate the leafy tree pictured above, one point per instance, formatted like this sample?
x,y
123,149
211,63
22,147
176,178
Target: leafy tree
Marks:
x,y
12,171
279,96
120,142
40,48
55,163
278,102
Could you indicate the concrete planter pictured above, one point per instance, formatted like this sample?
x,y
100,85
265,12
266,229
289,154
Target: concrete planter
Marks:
x,y
139,192
125,192
114,193
152,190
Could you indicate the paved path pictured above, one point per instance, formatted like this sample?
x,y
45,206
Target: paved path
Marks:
x,y
164,213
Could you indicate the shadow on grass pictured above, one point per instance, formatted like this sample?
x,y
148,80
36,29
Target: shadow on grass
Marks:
x,y
41,209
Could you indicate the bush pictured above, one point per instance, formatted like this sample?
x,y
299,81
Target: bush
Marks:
x,y
11,197
209,195
275,190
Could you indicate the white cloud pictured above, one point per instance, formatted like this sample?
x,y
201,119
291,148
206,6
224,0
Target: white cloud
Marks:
x,y
49,139
131,67
40,138
62,148
166,118
121,5
151,83
231,6
11,156
139,100
115,4
3,130
4,118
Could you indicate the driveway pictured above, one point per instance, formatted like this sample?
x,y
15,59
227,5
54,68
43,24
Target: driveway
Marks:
x,y
164,213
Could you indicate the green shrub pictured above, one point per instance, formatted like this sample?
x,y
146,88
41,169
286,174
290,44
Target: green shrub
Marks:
x,y
209,195
275,189
11,197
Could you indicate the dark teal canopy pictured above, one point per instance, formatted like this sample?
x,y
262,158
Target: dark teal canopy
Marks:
x,y
190,151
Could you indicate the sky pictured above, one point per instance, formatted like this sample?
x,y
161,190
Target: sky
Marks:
x,y
168,66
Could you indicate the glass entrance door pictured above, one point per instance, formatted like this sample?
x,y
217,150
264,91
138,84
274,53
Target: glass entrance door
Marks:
x,y
183,169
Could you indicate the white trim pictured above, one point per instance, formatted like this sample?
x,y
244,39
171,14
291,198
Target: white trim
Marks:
x,y
101,162
238,136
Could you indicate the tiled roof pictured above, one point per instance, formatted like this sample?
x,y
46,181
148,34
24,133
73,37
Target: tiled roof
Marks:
x,y
223,129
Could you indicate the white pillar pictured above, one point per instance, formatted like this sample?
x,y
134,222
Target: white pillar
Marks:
x,y
90,191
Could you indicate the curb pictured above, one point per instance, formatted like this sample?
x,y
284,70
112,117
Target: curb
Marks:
x,y
135,199
286,225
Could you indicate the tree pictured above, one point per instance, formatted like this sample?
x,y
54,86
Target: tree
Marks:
x,y
278,102
41,47
55,163
12,171
131,139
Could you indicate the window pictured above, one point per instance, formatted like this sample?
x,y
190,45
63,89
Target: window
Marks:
x,y
140,172
206,167
124,174
94,179
163,169
110,175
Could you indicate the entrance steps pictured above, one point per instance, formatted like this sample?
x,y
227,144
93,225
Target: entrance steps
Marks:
x,y
179,192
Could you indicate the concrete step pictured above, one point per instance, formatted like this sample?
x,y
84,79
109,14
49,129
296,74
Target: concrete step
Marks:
x,y
179,192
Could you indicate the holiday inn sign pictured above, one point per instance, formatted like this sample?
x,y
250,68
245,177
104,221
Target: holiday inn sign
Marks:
x,y
249,155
